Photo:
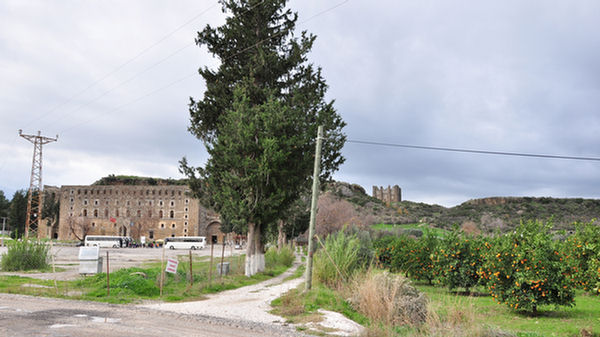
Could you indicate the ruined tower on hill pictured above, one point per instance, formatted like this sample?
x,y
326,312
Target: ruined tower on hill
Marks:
x,y
389,194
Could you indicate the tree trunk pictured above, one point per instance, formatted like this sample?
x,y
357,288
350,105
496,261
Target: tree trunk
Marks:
x,y
255,256
280,236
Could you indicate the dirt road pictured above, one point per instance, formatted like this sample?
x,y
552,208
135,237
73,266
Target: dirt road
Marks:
x,y
34,316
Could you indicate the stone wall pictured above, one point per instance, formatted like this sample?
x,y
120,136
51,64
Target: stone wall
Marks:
x,y
389,194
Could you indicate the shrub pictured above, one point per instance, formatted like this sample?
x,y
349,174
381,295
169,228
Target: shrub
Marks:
x,y
338,260
389,299
527,269
284,257
25,255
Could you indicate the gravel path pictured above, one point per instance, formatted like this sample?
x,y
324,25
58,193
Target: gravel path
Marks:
x,y
251,303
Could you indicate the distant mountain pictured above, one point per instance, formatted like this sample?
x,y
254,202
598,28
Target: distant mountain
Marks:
x,y
488,214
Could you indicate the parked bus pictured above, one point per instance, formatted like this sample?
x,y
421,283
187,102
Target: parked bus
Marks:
x,y
103,241
186,242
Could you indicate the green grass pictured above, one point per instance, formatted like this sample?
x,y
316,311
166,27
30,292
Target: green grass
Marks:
x,y
390,227
550,321
299,307
136,284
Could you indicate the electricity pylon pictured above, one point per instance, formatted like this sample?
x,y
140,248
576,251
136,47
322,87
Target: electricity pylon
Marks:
x,y
34,205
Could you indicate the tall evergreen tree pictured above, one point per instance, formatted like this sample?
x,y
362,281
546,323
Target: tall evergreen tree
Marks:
x,y
4,205
258,119
18,213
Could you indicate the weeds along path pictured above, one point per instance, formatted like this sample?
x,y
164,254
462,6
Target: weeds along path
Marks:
x,y
250,303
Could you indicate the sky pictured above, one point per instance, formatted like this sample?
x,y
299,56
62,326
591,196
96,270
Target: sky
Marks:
x,y
113,80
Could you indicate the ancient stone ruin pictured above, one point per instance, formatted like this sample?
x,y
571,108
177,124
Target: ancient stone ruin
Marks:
x,y
389,194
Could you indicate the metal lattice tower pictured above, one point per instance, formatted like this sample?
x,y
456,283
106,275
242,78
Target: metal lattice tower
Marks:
x,y
34,204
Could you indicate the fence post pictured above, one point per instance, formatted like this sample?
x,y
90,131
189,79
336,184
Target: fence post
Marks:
x,y
212,246
191,271
107,276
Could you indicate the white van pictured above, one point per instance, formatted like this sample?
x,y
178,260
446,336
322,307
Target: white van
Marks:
x,y
185,242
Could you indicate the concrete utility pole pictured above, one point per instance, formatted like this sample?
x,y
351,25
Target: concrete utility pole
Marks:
x,y
313,210
3,229
34,205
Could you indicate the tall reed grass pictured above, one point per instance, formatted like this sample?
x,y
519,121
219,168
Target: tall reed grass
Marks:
x,y
25,255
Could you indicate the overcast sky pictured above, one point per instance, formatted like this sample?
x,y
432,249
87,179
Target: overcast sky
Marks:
x,y
113,80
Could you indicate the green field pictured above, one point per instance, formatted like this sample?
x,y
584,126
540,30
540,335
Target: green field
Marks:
x,y
561,321
407,227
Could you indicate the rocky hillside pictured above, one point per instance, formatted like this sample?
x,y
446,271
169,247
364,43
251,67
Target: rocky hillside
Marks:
x,y
488,214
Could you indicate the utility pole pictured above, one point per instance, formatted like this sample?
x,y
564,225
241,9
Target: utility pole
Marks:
x,y
34,205
313,210
3,228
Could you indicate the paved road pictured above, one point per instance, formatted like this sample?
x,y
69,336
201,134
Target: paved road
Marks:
x,y
34,316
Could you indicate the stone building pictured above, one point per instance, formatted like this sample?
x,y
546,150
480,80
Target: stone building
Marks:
x,y
155,212
389,194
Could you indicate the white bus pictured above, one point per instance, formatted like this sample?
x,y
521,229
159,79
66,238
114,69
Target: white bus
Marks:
x,y
186,242
103,241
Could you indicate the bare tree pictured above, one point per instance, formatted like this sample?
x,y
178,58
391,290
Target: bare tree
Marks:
x,y
335,213
79,226
142,219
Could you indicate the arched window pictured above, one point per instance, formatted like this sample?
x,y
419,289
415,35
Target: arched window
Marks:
x,y
139,213
171,214
106,213
150,213
85,212
160,214
95,213
117,213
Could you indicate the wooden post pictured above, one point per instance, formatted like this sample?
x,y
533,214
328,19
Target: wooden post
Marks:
x,y
313,210
53,266
222,257
162,270
107,276
212,246
191,271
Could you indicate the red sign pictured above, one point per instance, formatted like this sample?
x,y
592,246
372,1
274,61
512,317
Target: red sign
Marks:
x,y
172,266
113,220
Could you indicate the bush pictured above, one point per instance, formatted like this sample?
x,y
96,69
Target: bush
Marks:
x,y
25,255
527,268
389,299
339,256
284,257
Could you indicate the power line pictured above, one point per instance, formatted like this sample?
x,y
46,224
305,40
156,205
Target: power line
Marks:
x,y
194,73
499,153
118,68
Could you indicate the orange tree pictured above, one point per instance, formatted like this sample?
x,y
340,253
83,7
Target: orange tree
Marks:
x,y
392,252
527,268
420,262
459,259
583,252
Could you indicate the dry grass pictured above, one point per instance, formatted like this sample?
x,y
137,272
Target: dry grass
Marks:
x,y
389,299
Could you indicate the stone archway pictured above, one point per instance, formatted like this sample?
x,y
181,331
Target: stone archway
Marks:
x,y
214,234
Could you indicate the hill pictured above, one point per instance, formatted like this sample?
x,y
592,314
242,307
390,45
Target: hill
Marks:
x,y
488,214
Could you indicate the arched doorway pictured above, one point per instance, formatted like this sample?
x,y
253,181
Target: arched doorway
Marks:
x,y
213,233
